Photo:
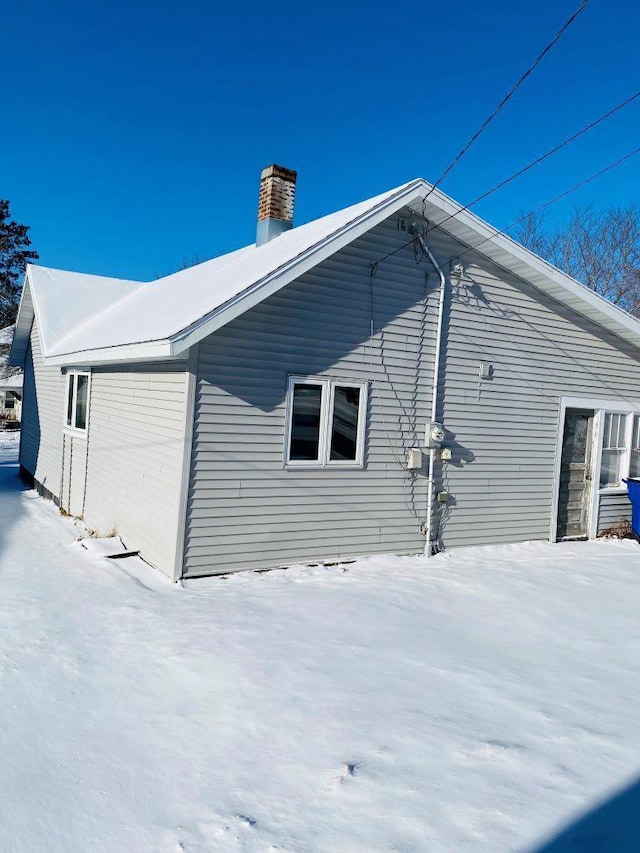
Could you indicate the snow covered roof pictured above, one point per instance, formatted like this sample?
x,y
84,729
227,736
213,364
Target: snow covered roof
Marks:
x,y
88,319
11,383
6,335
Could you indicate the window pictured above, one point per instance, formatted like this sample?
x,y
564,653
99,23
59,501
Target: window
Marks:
x,y
634,463
326,421
77,401
614,448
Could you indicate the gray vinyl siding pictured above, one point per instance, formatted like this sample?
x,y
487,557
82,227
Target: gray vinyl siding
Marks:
x,y
613,509
74,473
42,418
125,475
504,430
245,509
137,418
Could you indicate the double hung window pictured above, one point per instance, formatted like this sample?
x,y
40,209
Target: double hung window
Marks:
x,y
325,422
620,448
634,461
77,401
614,449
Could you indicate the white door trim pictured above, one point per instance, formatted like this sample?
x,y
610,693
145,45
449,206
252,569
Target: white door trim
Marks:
x,y
598,406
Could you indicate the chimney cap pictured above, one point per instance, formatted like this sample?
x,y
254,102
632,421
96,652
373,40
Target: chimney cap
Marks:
x,y
275,171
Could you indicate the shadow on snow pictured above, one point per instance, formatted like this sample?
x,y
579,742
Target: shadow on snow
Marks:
x,y
612,826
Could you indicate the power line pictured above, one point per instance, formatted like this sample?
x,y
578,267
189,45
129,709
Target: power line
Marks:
x,y
501,184
507,97
548,203
542,157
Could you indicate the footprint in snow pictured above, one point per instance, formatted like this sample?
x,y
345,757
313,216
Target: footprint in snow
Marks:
x,y
492,750
349,770
199,838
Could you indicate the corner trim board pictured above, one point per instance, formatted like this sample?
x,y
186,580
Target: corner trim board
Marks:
x,y
183,501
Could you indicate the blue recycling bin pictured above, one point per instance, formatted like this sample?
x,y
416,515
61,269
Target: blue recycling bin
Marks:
x,y
633,490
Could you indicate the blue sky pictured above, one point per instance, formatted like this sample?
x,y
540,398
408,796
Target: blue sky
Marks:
x,y
133,133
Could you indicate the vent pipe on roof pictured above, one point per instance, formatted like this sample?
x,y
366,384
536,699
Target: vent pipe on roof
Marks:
x,y
275,205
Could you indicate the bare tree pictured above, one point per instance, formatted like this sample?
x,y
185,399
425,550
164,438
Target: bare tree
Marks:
x,y
600,248
186,263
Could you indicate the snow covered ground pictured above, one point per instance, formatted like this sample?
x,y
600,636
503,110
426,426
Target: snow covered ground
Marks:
x,y
481,701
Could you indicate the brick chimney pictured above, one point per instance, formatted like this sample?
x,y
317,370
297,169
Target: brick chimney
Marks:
x,y
275,205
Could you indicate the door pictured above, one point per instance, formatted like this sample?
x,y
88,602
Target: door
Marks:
x,y
74,474
575,489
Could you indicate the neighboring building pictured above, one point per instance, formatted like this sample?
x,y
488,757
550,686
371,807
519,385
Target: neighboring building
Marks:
x,y
11,399
10,383
269,406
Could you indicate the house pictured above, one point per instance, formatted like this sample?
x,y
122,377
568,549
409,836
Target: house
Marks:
x,y
11,398
276,404
10,384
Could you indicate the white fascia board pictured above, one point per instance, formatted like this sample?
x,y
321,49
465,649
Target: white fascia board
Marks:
x,y
24,321
279,278
580,298
148,351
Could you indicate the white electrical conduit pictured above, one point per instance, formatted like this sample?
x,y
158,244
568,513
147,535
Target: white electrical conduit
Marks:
x,y
429,544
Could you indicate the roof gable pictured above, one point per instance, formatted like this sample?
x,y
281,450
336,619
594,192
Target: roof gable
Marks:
x,y
92,319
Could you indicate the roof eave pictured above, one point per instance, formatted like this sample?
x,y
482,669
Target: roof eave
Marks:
x,y
130,353
507,253
24,321
462,225
279,278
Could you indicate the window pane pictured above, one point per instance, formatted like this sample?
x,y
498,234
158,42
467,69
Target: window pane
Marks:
x,y
610,430
305,422
614,433
81,402
69,398
610,468
634,467
344,429
574,447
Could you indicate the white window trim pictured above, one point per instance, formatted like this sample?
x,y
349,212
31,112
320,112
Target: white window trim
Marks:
x,y
625,463
326,419
599,407
72,376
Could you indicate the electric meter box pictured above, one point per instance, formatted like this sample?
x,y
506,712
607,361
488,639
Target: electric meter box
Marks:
x,y
434,434
414,459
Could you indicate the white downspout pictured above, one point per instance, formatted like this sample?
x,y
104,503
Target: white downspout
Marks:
x,y
429,543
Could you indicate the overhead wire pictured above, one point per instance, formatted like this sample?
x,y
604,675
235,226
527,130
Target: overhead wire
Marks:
x,y
507,97
547,204
519,173
548,154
